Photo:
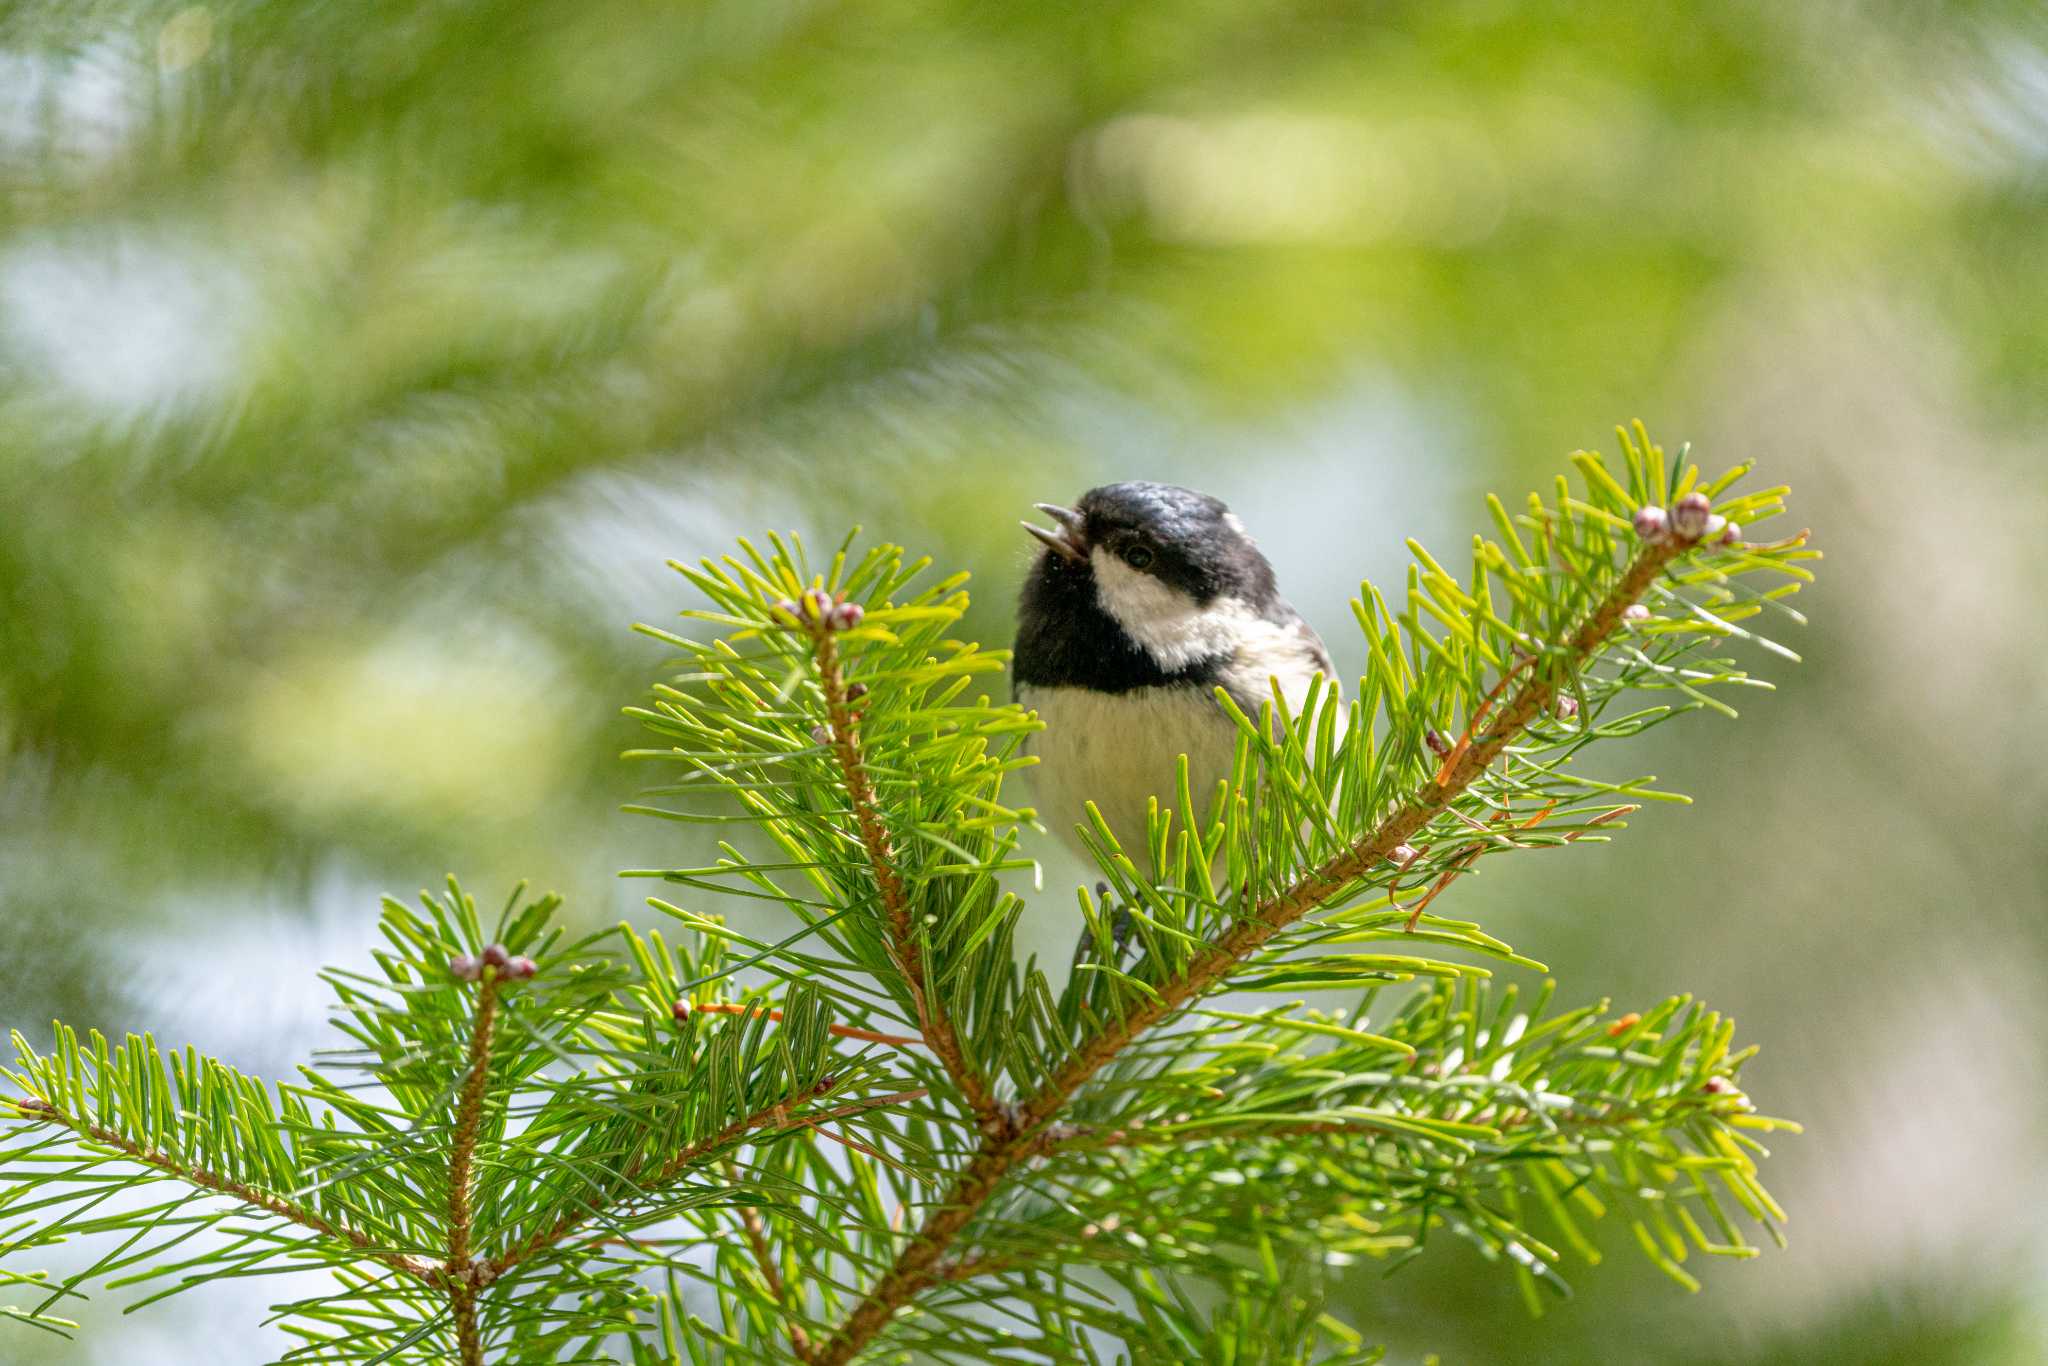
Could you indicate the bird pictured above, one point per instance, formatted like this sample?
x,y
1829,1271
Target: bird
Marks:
x,y
1142,601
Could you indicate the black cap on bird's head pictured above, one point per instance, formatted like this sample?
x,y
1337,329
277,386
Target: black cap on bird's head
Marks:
x,y
1144,585
1186,540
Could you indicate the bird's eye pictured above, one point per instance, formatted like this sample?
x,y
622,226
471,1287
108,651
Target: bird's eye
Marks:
x,y
1137,556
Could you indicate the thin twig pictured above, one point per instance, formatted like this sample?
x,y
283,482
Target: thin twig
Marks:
x,y
469,1111
967,1268
419,1268
916,1266
843,1031
1064,1139
932,1021
774,1118
1058,1139
771,1276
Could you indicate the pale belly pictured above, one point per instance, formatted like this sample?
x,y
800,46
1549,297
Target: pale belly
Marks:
x,y
1120,750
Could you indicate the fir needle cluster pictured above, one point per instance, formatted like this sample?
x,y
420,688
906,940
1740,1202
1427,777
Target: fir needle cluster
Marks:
x,y
878,1134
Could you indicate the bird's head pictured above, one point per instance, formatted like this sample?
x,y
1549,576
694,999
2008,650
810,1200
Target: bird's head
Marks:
x,y
1169,566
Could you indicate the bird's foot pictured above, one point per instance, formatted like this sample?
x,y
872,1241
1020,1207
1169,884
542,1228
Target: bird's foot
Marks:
x,y
1121,925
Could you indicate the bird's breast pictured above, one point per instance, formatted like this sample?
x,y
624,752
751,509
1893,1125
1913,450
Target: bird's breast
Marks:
x,y
1121,749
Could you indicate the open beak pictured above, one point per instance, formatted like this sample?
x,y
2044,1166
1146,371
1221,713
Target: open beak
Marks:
x,y
1070,540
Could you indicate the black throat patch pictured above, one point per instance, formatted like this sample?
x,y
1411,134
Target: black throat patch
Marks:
x,y
1065,639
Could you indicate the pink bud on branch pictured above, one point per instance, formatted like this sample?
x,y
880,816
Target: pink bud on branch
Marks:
x,y
1690,514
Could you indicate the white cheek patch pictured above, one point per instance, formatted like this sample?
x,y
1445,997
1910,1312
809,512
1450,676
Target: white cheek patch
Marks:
x,y
1166,623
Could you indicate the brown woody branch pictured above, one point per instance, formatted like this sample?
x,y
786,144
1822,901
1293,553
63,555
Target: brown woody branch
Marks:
x,y
933,1023
469,1112
842,1031
771,1275
967,1268
920,1264
786,1114
418,1268
1058,1138
1328,881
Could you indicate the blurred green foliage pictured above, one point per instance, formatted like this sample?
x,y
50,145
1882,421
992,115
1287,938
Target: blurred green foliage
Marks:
x,y
359,364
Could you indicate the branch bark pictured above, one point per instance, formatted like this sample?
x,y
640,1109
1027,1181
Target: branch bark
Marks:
x,y
764,1260
919,1265
458,1280
784,1114
1058,1139
933,1023
843,1031
419,1268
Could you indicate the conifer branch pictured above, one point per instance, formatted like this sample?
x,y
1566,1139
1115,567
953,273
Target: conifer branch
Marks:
x,y
1176,1133
784,1114
1473,756
968,1268
417,1268
461,1283
764,1260
933,1023
919,1264
1059,1139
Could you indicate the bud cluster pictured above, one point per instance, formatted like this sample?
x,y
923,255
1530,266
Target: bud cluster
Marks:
x,y
818,610
822,614
502,965
1692,519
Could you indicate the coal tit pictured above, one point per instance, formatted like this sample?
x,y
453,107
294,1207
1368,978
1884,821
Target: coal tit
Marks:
x,y
1145,600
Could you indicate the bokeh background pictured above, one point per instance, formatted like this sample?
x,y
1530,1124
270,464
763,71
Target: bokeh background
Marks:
x,y
361,364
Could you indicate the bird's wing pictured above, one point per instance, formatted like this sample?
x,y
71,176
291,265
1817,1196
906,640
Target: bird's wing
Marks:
x,y
1287,649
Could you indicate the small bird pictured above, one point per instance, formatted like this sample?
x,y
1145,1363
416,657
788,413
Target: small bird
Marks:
x,y
1145,600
